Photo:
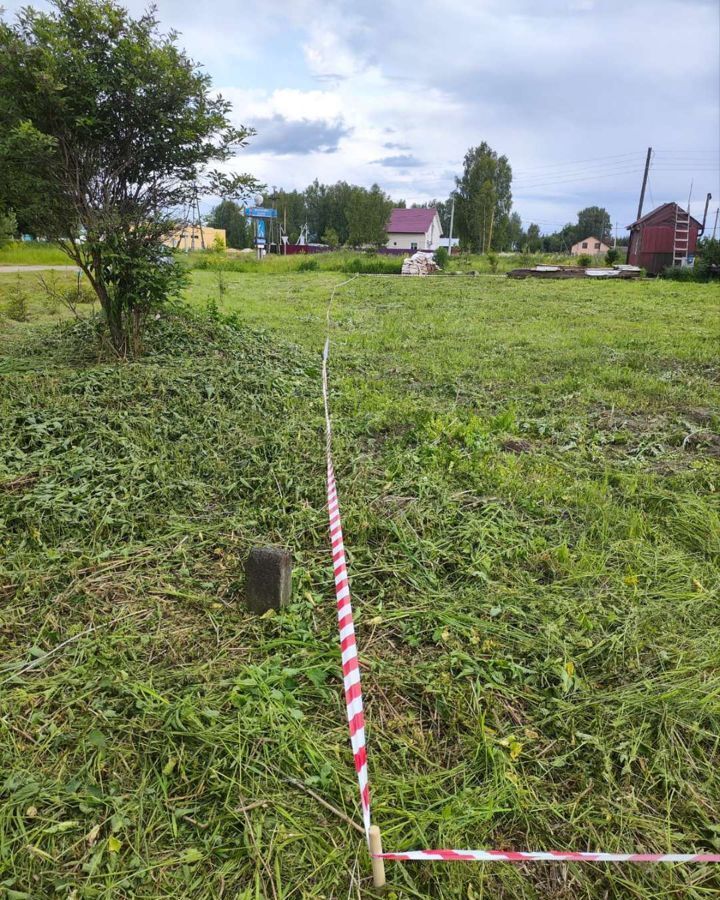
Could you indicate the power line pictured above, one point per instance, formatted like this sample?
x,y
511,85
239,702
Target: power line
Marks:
x,y
590,177
584,171
574,162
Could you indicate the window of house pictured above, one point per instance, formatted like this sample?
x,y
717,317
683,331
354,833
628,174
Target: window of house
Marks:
x,y
413,245
597,245
584,245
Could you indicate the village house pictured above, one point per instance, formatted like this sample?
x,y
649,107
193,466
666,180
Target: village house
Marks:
x,y
414,229
591,245
666,236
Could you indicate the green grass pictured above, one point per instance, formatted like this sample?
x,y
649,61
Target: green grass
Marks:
x,y
529,479
32,253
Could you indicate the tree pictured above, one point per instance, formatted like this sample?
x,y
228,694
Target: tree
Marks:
x,y
367,216
330,237
8,227
227,215
532,239
593,221
515,233
106,126
484,198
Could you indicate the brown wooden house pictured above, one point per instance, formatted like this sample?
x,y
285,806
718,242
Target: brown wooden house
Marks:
x,y
664,237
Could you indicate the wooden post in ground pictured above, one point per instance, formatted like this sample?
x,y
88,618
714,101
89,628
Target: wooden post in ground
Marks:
x,y
378,865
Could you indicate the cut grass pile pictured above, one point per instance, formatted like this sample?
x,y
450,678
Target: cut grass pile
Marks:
x,y
529,478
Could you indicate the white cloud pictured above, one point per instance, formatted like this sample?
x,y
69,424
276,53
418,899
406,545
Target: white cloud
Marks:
x,y
572,91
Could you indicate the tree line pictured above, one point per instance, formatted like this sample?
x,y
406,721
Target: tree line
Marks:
x,y
336,214
344,214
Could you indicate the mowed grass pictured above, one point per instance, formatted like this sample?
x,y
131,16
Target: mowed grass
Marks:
x,y
529,478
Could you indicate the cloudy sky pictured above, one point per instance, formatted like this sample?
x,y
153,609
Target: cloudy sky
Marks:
x,y
572,91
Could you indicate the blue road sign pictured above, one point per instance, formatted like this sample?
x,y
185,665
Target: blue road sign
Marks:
x,y
261,228
259,212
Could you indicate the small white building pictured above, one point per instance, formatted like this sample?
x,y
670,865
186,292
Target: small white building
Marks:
x,y
591,245
414,229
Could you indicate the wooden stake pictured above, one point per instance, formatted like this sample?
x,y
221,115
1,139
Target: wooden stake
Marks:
x,y
378,865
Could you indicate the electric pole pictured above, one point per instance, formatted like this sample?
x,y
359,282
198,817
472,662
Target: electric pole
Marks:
x,y
452,222
717,213
644,183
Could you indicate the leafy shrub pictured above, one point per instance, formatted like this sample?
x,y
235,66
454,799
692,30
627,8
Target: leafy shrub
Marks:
x,y
492,259
375,265
17,307
612,256
330,237
308,265
442,256
680,273
584,259
68,295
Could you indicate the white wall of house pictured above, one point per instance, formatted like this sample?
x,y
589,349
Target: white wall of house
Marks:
x,y
590,245
399,240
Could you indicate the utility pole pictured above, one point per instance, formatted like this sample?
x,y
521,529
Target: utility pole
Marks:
x,y
644,183
717,213
707,203
615,238
642,199
452,222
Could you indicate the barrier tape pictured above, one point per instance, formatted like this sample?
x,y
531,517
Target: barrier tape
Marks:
x,y
547,856
346,627
354,702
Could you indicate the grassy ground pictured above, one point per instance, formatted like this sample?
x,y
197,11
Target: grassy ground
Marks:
x,y
529,477
21,253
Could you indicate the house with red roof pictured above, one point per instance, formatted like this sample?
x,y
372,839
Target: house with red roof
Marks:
x,y
414,229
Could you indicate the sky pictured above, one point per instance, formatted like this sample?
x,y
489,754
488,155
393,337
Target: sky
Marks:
x,y
573,92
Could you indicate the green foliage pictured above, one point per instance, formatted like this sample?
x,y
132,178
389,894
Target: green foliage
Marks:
x,y
612,256
533,241
442,256
373,265
707,262
227,215
492,259
680,273
308,264
105,124
8,227
16,307
584,259
593,221
367,216
330,237
484,199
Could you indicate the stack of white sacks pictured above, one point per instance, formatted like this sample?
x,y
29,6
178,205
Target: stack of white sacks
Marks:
x,y
419,264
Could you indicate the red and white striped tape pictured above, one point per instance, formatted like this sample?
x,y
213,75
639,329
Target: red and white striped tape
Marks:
x,y
356,719
348,644
547,856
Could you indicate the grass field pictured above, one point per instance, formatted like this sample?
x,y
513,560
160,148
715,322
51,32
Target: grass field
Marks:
x,y
34,253
529,476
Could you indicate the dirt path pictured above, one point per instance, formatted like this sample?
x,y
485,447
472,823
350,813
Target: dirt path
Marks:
x,y
12,270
